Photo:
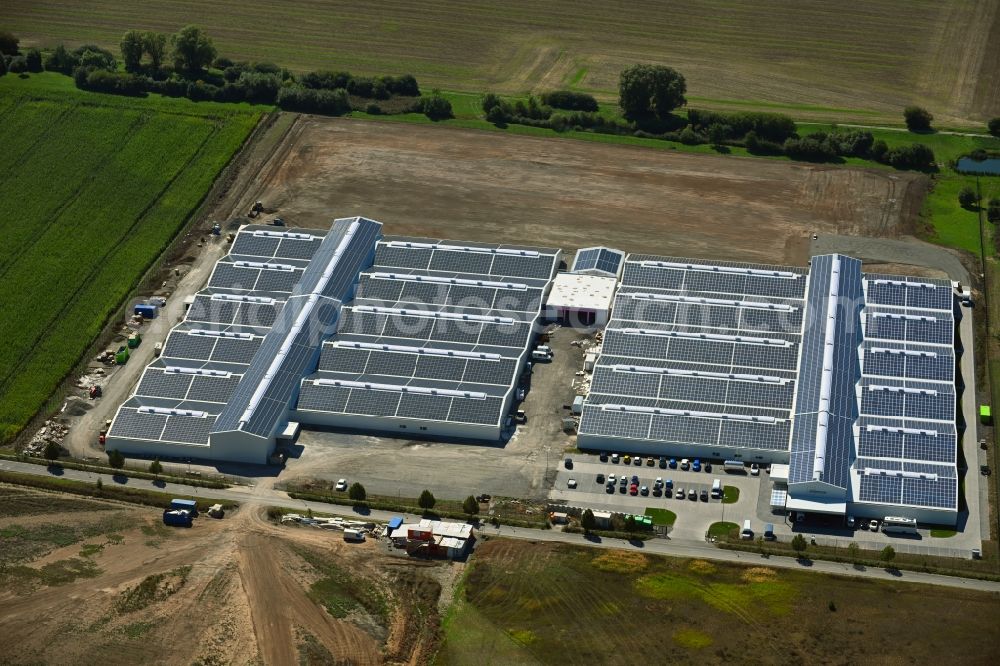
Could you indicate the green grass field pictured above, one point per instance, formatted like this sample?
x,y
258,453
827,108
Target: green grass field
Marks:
x,y
812,60
549,603
93,188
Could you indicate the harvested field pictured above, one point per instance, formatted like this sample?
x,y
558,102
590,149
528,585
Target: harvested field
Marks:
x,y
119,587
810,58
549,603
473,185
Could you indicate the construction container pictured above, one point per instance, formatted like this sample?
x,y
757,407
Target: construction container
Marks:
x,y
985,416
185,505
134,340
176,518
147,310
121,357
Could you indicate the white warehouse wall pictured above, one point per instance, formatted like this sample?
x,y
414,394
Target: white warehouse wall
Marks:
x,y
392,425
649,448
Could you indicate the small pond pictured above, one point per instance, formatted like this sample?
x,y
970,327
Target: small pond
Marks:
x,y
989,166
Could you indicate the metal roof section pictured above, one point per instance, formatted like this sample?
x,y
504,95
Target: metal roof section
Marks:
x,y
438,332
262,398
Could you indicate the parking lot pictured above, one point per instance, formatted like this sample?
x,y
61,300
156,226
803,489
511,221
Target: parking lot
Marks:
x,y
693,516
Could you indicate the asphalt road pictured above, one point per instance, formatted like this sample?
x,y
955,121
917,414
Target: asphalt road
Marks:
x,y
264,494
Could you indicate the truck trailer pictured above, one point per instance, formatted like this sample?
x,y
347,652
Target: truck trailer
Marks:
x,y
185,505
176,518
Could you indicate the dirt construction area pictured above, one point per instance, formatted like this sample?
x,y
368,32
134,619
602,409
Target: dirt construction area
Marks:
x,y
89,581
482,186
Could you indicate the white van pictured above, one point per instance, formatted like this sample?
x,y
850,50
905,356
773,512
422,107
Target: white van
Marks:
x,y
747,533
716,489
354,535
537,355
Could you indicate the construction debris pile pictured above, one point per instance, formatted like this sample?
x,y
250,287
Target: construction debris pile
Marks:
x,y
52,431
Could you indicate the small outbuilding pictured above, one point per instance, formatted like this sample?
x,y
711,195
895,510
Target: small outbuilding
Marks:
x,y
583,300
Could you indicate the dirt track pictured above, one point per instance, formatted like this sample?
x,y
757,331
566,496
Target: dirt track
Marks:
x,y
244,600
476,185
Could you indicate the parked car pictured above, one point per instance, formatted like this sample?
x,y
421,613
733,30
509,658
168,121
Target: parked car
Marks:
x,y
644,490
612,479
657,492
658,482
863,524
623,481
615,458
635,479
650,462
604,456
693,495
627,459
633,489
685,464
609,488
637,460
569,463
708,467
673,463
600,478
703,496
696,465
680,493
341,485
622,489
873,526
851,523
663,462
668,484
571,483
754,469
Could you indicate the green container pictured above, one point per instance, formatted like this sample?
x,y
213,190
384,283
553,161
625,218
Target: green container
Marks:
x,y
122,356
134,340
984,414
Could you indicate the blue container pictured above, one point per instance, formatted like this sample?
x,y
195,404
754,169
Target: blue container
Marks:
x,y
184,505
176,518
147,310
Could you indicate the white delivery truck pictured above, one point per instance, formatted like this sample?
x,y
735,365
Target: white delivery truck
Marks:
x,y
716,489
354,535
747,532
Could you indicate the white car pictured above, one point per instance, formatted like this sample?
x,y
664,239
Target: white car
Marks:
x,y
684,463
755,469
873,526
571,483
341,485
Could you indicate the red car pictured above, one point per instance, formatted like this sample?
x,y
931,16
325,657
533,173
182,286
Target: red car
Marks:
x,y
633,489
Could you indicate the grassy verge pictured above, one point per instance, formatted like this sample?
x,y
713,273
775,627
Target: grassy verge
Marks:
x,y
730,494
112,492
722,529
984,569
661,516
340,590
111,471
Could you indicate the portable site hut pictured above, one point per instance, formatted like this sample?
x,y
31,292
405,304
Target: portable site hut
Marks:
x,y
147,310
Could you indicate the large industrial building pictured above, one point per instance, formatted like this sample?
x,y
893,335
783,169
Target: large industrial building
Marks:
x,y
848,378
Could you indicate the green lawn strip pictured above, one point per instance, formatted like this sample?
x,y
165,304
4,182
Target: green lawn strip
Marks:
x,y
943,533
730,494
722,529
661,516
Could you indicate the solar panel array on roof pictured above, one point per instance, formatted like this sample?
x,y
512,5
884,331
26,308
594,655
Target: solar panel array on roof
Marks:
x,y
598,260
698,353
907,442
235,331
452,318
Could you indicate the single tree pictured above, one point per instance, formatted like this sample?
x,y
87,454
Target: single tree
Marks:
x,y
34,60
719,133
99,484
967,197
132,46
799,544
357,492
193,50
470,505
993,211
116,459
426,500
853,551
888,554
587,521
917,119
155,45
650,91
8,43
52,451
994,126
437,107
155,467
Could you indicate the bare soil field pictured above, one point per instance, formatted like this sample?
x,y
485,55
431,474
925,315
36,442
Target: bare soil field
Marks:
x,y
819,58
474,185
239,590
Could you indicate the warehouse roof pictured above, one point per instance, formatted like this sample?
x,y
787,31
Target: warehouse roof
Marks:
x,y
575,291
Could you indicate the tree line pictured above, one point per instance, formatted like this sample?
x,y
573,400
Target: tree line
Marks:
x,y
187,64
649,95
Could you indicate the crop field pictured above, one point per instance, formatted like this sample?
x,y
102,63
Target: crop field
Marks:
x,y
545,603
809,59
92,189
